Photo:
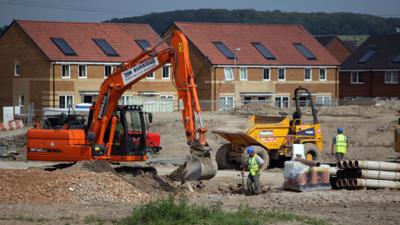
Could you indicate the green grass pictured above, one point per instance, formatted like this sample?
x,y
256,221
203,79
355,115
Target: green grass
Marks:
x,y
179,212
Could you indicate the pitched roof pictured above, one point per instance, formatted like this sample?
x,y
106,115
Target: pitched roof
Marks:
x,y
386,48
79,36
278,39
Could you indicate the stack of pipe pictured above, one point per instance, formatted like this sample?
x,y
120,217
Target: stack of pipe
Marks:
x,y
354,174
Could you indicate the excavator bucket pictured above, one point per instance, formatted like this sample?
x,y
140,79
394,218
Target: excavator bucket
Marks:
x,y
195,168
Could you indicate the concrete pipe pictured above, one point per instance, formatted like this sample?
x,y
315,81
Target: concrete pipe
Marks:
x,y
377,174
307,162
376,184
339,183
378,165
339,165
345,183
345,164
339,174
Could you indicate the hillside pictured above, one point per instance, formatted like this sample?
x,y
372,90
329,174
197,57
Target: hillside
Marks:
x,y
316,23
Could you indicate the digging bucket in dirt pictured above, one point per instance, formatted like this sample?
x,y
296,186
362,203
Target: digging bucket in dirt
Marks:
x,y
195,168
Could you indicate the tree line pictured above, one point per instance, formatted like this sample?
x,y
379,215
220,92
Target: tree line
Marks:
x,y
317,23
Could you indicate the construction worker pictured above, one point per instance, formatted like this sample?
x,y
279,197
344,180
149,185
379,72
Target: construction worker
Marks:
x,y
339,143
253,164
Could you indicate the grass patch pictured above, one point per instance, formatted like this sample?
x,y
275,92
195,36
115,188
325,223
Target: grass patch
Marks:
x,y
24,218
179,212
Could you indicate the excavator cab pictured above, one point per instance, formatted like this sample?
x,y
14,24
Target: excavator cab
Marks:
x,y
131,135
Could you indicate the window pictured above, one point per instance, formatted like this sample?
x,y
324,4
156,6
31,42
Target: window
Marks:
x,y
151,76
166,72
243,73
263,50
143,44
65,73
17,70
65,101
63,46
307,74
224,50
322,74
228,72
105,47
82,71
226,103
125,100
21,100
247,100
323,101
303,50
392,77
266,74
396,59
281,74
167,97
107,70
367,56
282,101
356,78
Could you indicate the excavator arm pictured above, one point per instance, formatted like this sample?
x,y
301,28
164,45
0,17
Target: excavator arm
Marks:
x,y
199,165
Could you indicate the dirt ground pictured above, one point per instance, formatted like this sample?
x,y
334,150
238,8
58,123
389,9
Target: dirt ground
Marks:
x,y
78,195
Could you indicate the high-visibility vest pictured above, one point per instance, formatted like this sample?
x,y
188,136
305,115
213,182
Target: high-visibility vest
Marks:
x,y
253,166
341,143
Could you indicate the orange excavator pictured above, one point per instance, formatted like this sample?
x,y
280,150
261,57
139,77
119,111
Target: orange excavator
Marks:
x,y
108,135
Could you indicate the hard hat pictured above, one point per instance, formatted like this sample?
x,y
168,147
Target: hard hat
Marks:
x,y
340,130
250,150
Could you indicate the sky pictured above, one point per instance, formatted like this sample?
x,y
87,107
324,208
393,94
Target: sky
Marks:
x,y
100,10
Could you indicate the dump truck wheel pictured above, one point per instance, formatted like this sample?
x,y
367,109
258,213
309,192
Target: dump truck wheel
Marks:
x,y
261,152
222,157
311,152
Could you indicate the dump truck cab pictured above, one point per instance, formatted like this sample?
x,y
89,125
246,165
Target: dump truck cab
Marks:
x,y
272,136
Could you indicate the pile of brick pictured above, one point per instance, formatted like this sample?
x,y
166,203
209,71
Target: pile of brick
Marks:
x,y
11,125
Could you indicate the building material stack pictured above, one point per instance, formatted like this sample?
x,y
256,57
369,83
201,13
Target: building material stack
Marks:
x,y
353,174
304,175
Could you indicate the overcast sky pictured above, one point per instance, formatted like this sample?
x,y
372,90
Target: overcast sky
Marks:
x,y
100,10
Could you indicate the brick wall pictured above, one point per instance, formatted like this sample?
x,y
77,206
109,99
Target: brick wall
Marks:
x,y
373,86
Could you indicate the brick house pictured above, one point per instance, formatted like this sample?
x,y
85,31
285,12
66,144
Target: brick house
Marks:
x,y
373,69
56,64
240,63
335,46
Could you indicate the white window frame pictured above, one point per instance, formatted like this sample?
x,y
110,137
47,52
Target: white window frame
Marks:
x,y
79,72
357,74
15,69
151,76
66,101
305,69
62,71
169,72
269,74
228,71
392,75
281,97
111,71
323,100
246,77
225,97
21,102
326,74
284,74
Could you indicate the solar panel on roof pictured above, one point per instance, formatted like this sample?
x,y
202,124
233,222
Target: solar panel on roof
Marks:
x,y
396,59
303,50
143,44
263,50
106,47
63,46
367,55
224,50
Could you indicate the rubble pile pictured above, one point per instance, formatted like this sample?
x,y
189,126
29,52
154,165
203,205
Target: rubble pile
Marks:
x,y
34,185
